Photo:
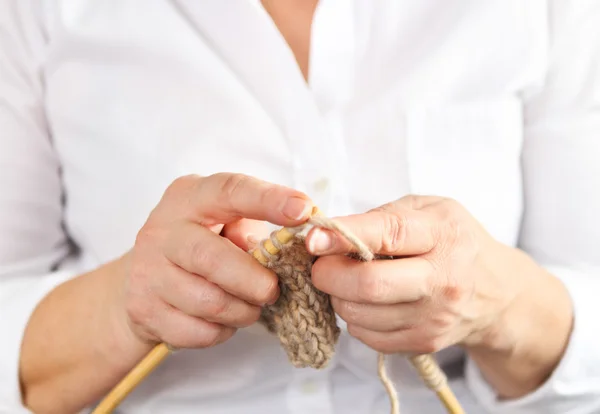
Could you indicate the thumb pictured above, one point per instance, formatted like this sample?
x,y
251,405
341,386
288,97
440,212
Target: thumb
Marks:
x,y
393,233
246,233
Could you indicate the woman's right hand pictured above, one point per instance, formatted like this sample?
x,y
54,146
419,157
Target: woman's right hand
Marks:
x,y
190,282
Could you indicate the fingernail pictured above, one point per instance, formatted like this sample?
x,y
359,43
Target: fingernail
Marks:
x,y
273,301
275,298
296,208
252,241
320,241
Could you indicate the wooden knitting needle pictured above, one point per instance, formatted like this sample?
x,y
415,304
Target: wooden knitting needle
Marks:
x,y
283,236
449,400
160,352
425,365
436,380
153,359
150,362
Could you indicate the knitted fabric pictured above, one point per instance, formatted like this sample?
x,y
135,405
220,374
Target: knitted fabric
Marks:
x,y
302,317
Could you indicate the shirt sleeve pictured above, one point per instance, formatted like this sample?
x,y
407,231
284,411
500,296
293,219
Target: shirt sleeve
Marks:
x,y
33,245
561,230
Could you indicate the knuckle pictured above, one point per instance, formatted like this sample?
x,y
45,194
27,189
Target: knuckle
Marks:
x,y
217,303
138,280
203,256
426,340
378,342
412,200
318,271
370,288
147,233
445,286
429,345
181,185
449,205
140,312
452,292
450,239
179,340
182,333
442,321
137,272
454,229
251,316
394,234
410,325
231,185
210,337
269,290
200,334
430,283
270,192
349,311
445,209
389,207
354,331
381,344
226,333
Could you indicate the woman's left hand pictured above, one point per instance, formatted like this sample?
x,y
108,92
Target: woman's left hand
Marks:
x,y
451,282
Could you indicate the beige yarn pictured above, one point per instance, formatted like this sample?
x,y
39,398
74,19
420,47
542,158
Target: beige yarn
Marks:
x,y
302,317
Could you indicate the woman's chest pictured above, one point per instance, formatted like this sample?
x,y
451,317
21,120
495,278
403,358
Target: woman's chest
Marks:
x,y
401,100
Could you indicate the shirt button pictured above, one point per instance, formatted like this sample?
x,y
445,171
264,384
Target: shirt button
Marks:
x,y
309,387
321,185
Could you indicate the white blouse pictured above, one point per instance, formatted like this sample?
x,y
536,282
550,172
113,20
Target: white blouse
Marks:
x,y
494,103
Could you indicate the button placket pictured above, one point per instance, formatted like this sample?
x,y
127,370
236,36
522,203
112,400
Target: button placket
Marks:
x,y
310,391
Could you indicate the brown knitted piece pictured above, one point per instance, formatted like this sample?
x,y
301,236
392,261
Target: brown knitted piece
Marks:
x,y
304,320
302,317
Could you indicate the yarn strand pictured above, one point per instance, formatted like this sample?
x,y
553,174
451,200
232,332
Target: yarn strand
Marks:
x,y
388,384
366,255
302,318
429,371
362,249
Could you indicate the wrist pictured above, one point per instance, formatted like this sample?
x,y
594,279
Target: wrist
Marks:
x,y
126,346
515,352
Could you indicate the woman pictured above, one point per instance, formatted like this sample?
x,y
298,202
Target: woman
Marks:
x,y
460,138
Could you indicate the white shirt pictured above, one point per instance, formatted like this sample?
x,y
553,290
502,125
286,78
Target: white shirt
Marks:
x,y
495,103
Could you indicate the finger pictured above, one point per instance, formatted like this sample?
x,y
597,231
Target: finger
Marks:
x,y
380,318
196,296
411,202
246,233
184,331
201,252
172,326
396,233
408,341
225,197
378,282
